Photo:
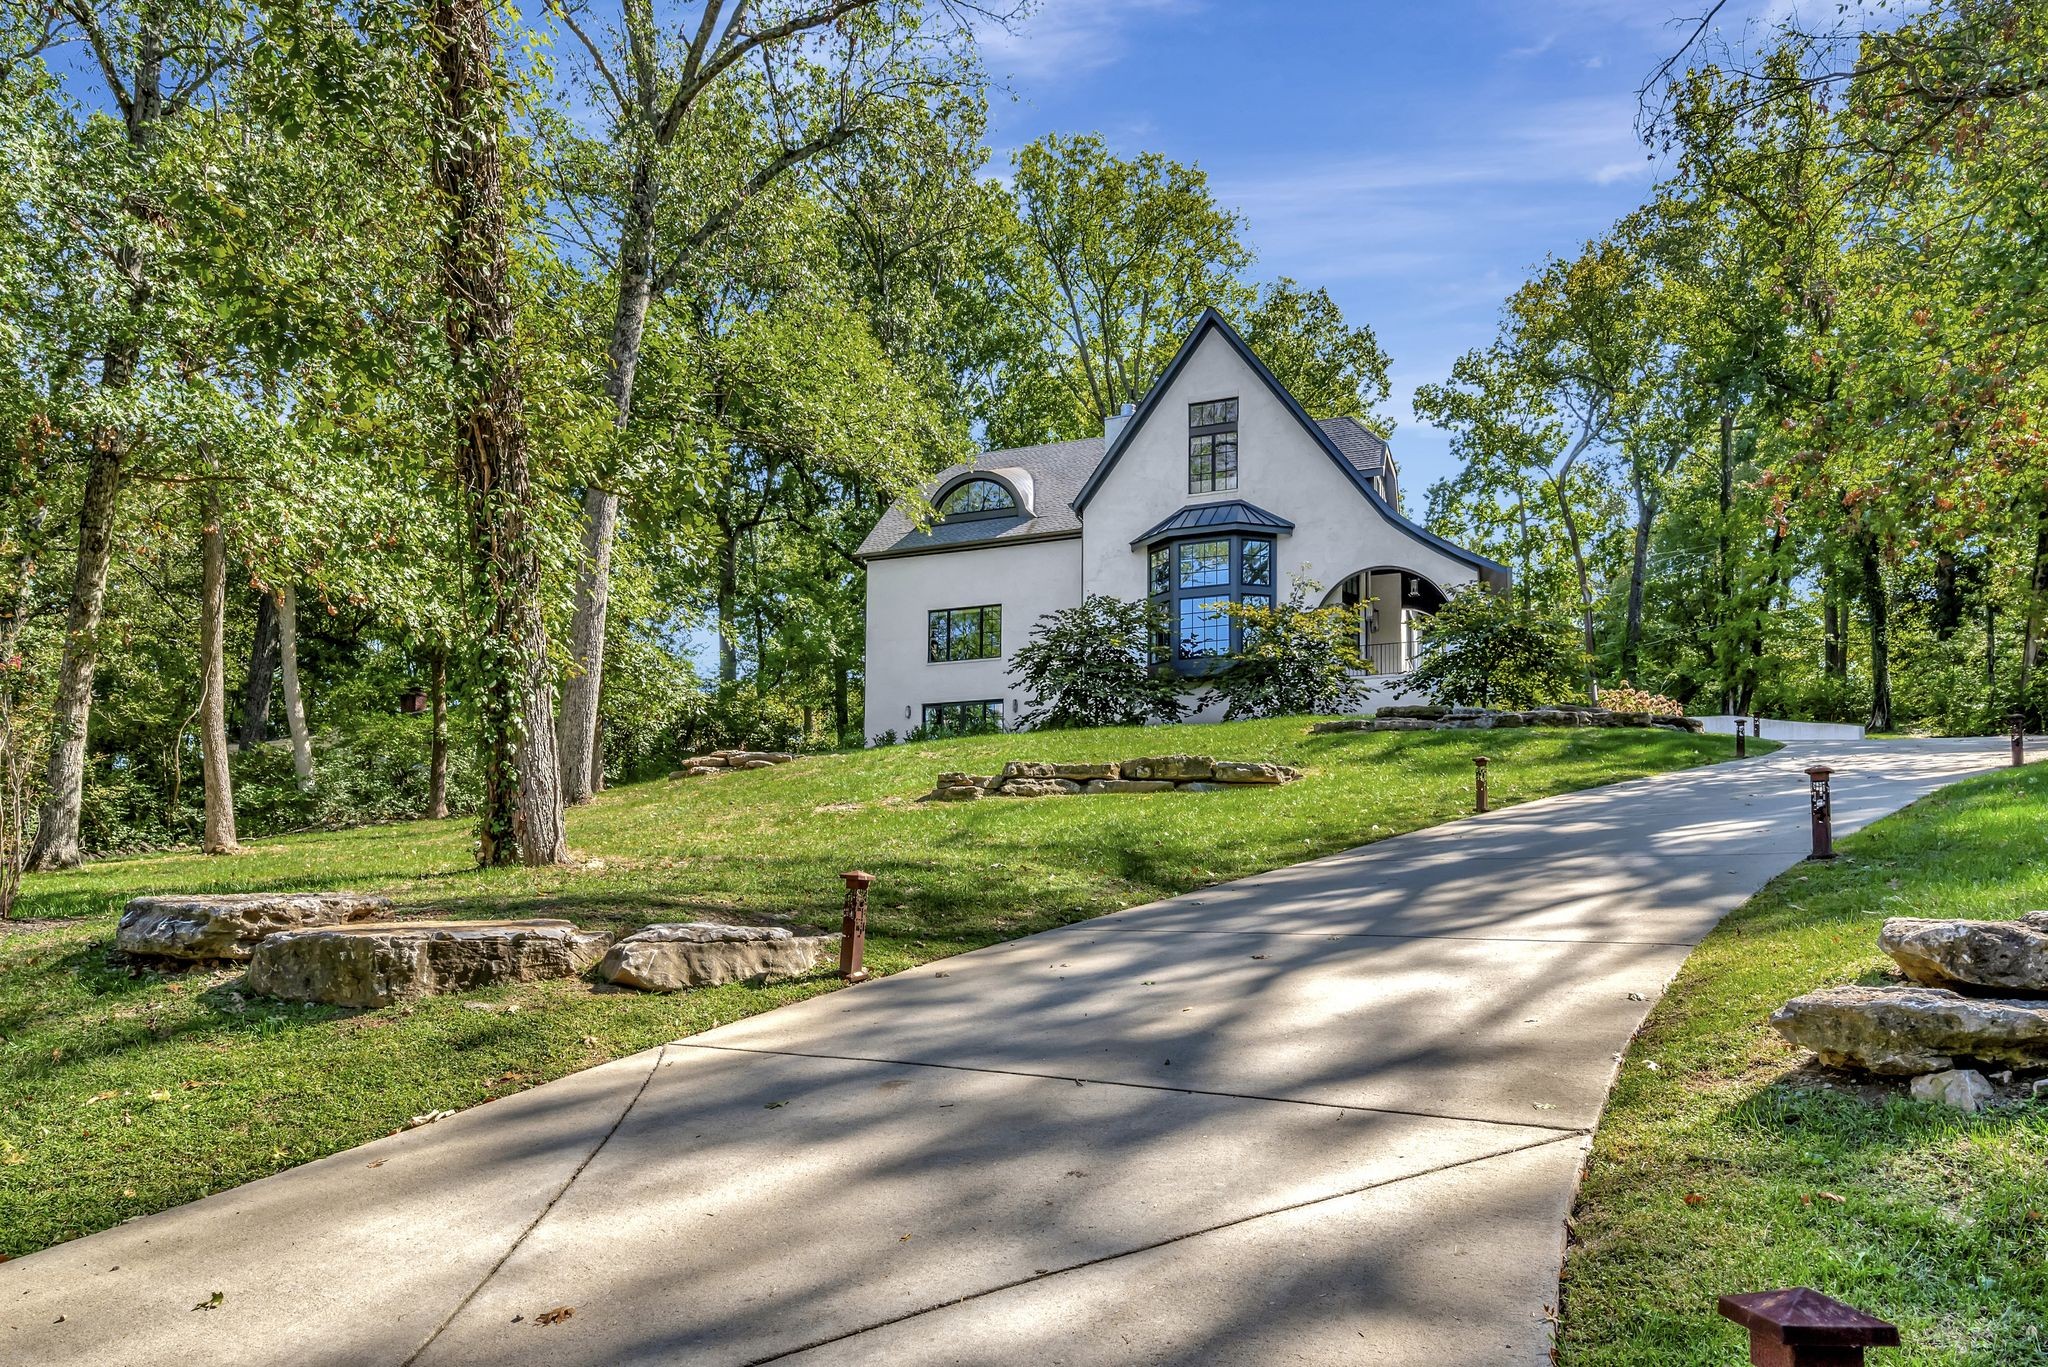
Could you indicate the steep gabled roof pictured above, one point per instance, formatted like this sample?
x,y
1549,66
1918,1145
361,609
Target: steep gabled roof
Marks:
x,y
1363,447
1212,321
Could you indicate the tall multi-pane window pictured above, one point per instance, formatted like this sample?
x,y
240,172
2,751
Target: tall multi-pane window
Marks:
x,y
1212,446
964,634
1191,582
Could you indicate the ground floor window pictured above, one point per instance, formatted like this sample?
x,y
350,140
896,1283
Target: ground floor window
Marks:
x,y
1191,581
957,718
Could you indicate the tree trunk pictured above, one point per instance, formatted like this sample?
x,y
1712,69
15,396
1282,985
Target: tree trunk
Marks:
x,y
1724,572
2037,593
294,695
842,720
213,700
1877,605
437,750
578,729
1638,574
728,608
56,844
1948,601
262,673
1834,625
521,818
597,755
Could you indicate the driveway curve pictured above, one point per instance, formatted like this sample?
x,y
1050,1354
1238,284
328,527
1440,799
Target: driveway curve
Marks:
x,y
1329,1114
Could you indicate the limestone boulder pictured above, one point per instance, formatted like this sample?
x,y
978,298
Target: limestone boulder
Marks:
x,y
1127,785
1038,787
954,779
1907,1031
230,926
1994,956
1963,1088
1026,768
1414,711
959,792
705,762
1403,724
1082,773
1326,728
670,958
753,759
377,963
1232,771
1201,785
1173,768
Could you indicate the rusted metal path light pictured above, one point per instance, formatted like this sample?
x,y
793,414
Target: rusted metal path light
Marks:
x,y
1741,738
1801,1328
853,927
2016,724
1822,800
1478,783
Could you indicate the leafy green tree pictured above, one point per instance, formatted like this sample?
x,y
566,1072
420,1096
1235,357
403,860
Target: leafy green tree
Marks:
x,y
1091,665
1482,649
1295,659
1336,369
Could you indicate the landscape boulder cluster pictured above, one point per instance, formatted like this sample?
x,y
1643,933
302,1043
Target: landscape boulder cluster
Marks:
x,y
1156,774
1977,995
725,761
332,948
1433,717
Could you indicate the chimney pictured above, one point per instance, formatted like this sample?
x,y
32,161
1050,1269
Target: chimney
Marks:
x,y
1114,424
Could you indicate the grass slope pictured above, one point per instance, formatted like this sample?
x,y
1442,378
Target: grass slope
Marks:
x,y
1932,1219
124,1090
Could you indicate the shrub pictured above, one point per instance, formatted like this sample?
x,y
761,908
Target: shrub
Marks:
x,y
1624,698
1091,665
1294,659
1483,650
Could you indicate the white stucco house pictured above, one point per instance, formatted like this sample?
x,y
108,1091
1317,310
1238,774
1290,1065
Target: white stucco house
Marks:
x,y
1217,487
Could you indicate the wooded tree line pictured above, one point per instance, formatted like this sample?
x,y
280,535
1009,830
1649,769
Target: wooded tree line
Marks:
x,y
1776,436
392,390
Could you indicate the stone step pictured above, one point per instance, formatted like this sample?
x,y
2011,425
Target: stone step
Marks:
x,y
230,925
381,962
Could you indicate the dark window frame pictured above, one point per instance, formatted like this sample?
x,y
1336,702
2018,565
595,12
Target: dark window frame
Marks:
x,y
981,633
1214,428
1169,645
932,715
1013,508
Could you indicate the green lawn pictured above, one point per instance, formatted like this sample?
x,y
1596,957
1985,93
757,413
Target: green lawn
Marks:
x,y
124,1090
1728,1167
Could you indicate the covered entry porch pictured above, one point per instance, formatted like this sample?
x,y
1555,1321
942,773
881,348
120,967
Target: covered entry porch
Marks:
x,y
1392,603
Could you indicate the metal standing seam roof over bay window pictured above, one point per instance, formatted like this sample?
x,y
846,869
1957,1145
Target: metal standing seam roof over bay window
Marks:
x,y
1233,515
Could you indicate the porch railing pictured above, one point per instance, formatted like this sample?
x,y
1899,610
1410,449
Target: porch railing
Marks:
x,y
1388,657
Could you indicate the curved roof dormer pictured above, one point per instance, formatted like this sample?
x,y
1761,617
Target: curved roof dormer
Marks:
x,y
985,492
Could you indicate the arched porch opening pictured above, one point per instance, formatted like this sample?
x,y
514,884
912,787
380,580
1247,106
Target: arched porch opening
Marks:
x,y
1391,601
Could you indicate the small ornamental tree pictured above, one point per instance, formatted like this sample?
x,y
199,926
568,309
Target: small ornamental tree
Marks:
x,y
1092,666
1295,660
1482,650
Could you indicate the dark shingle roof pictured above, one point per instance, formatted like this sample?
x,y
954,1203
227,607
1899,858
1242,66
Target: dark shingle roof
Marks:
x,y
1363,447
1235,515
1057,472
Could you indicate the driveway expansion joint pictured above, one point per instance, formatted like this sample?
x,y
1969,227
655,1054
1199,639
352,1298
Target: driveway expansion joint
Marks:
x,y
1141,1086
1167,1242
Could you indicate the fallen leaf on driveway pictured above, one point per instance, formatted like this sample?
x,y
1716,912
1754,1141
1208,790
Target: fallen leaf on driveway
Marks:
x,y
429,1118
554,1316
211,1302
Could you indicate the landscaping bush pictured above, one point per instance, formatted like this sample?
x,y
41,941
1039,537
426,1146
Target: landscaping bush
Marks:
x,y
1483,650
1091,665
1625,698
1295,659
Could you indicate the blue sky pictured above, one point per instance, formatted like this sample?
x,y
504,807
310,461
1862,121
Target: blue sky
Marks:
x,y
1415,158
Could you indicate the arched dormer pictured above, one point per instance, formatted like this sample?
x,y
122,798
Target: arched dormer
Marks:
x,y
984,493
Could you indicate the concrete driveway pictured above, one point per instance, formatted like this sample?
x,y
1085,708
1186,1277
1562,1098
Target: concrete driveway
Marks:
x,y
1330,1114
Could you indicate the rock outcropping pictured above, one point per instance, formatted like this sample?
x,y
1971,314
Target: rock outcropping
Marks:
x,y
1432,717
1151,774
381,962
231,925
669,958
725,761
1971,956
1908,1031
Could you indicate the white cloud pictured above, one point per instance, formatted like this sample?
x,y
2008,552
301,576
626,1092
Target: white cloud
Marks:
x,y
1065,37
